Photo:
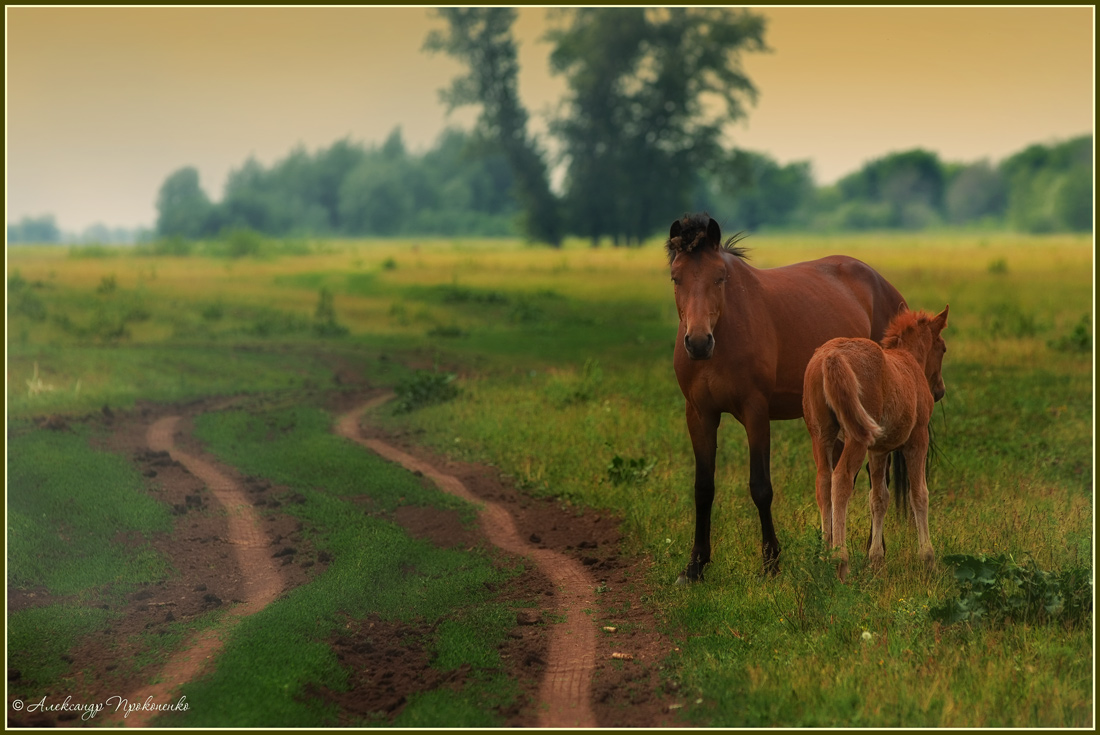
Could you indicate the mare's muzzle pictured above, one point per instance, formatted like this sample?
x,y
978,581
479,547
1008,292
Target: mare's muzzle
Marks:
x,y
699,348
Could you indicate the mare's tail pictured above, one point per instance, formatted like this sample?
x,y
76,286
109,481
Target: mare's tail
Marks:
x,y
842,394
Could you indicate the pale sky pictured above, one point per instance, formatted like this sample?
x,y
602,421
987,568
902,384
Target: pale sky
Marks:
x,y
104,103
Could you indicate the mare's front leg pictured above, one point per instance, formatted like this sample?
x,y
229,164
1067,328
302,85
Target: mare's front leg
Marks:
x,y
704,442
759,430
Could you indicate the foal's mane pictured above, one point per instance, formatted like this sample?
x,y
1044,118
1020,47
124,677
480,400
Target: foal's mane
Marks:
x,y
903,321
693,234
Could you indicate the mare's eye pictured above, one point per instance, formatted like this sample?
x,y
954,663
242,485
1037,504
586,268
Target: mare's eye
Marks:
x,y
675,282
719,281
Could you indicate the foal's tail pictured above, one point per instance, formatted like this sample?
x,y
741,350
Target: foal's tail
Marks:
x,y
842,394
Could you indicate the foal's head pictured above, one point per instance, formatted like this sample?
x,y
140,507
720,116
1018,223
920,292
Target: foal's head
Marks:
x,y
699,275
919,333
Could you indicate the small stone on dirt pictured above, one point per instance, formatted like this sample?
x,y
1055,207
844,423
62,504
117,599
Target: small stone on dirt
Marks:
x,y
285,551
536,539
528,617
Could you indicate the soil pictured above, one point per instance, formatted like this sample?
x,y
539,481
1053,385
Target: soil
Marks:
x,y
387,662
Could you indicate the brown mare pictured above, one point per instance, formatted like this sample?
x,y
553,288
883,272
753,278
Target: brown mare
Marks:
x,y
744,340
876,399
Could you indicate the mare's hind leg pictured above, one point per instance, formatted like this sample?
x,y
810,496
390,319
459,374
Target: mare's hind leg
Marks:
x,y
880,500
915,452
758,428
704,442
842,485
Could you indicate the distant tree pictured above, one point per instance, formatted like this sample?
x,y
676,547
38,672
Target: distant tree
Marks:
x,y
377,196
1074,206
638,125
975,192
42,229
1050,187
910,183
482,39
183,208
753,191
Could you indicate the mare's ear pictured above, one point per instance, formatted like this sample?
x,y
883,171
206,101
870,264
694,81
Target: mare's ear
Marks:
x,y
714,234
675,230
941,319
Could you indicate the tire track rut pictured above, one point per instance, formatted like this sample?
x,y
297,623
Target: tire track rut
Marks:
x,y
251,549
565,692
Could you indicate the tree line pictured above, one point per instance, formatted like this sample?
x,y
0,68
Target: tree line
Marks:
x,y
453,190
1042,188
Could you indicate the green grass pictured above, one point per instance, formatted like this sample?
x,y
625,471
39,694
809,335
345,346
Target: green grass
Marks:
x,y
564,363
66,518
38,637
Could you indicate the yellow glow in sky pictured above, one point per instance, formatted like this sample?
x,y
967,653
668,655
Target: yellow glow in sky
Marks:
x,y
104,103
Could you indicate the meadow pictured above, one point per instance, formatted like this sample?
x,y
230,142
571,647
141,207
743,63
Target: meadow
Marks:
x,y
563,368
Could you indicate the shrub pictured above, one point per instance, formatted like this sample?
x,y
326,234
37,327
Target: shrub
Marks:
x,y
424,388
999,589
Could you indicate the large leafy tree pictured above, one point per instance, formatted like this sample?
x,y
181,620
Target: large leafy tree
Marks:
x,y
651,91
482,39
183,208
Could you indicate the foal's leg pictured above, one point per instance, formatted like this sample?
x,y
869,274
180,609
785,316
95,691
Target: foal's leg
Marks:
x,y
843,478
915,452
880,500
823,460
824,442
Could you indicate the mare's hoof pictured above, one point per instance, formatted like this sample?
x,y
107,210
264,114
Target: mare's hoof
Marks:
x,y
693,573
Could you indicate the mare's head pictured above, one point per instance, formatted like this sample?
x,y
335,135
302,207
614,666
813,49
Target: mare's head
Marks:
x,y
919,333
699,275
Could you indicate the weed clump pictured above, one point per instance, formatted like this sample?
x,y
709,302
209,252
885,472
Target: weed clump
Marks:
x,y
324,319
626,471
424,388
565,391
1078,340
999,589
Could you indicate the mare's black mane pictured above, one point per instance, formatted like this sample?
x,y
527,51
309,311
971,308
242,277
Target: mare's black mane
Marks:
x,y
693,233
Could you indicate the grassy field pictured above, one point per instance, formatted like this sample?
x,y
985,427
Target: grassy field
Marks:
x,y
565,382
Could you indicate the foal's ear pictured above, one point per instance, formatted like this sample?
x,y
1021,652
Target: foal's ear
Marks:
x,y
714,234
941,319
675,230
